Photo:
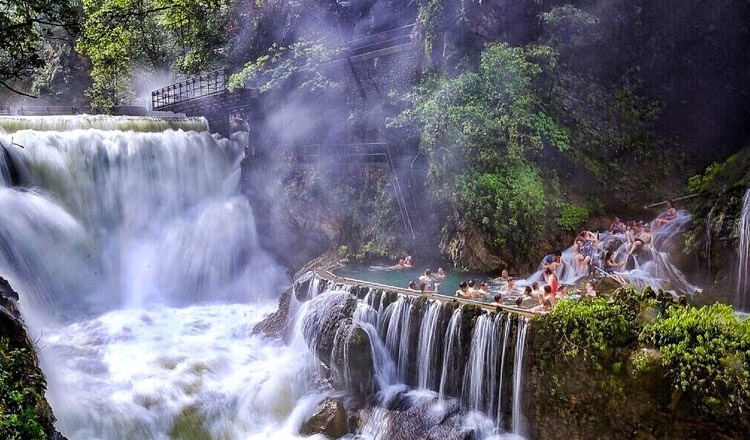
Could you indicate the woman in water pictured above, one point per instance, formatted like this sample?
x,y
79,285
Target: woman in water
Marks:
x,y
666,216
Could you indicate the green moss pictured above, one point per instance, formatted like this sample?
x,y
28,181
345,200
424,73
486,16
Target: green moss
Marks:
x,y
188,425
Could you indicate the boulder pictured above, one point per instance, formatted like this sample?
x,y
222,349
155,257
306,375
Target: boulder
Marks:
x,y
329,418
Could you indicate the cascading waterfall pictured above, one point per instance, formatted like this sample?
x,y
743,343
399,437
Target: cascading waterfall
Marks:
x,y
652,266
450,351
140,271
742,296
397,333
517,425
429,341
506,332
480,376
104,232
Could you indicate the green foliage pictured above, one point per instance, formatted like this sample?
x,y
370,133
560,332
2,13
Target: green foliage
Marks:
x,y
21,386
482,132
567,27
706,352
589,328
24,24
305,60
119,35
506,205
572,217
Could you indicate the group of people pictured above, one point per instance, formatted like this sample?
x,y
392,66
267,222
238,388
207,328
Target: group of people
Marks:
x,y
428,283
542,299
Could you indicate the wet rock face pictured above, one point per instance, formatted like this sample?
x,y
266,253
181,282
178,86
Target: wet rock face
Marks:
x,y
329,419
410,416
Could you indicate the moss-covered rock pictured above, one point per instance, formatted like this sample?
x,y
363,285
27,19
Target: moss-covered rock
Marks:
x,y
188,425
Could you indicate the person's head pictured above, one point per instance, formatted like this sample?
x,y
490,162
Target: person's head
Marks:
x,y
548,289
504,273
498,298
617,220
563,290
413,284
511,281
428,272
547,304
527,291
401,261
472,283
441,271
557,257
589,286
485,286
671,204
535,285
422,287
608,256
548,271
462,285
519,301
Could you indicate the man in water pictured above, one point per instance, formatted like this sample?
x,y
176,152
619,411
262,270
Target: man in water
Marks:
x,y
463,290
427,279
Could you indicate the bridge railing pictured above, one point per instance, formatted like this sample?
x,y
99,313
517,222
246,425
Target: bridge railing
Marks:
x,y
211,83
50,110
381,40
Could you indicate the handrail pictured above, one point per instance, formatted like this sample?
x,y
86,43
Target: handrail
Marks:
x,y
208,84
327,274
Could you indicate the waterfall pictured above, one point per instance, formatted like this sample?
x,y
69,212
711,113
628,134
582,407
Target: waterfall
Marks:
x,y
429,340
506,332
742,296
518,376
709,221
450,354
13,124
397,333
480,376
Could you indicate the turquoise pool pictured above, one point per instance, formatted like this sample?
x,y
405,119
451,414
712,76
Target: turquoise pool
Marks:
x,y
382,274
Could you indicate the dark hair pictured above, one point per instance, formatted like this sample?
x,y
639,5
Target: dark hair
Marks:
x,y
547,289
427,271
462,284
534,285
412,284
547,303
498,297
527,290
422,286
519,301
471,283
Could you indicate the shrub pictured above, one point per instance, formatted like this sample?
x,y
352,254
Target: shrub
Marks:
x,y
706,353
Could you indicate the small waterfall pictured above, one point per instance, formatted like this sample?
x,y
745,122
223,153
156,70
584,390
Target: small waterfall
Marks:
x,y
397,333
516,426
429,341
506,332
450,354
742,297
480,376
709,221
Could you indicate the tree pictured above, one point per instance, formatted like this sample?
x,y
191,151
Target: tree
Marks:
x,y
23,25
156,35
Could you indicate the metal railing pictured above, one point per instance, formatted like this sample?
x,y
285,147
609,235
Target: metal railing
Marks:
x,y
381,40
373,152
49,111
211,83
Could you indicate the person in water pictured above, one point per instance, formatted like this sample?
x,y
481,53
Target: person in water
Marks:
x,y
510,288
484,289
504,275
585,245
463,290
427,279
617,226
610,266
551,281
552,262
666,216
440,274
545,307
642,238
589,292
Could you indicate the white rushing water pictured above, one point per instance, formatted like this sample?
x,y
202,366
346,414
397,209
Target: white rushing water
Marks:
x,y
141,276
742,296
